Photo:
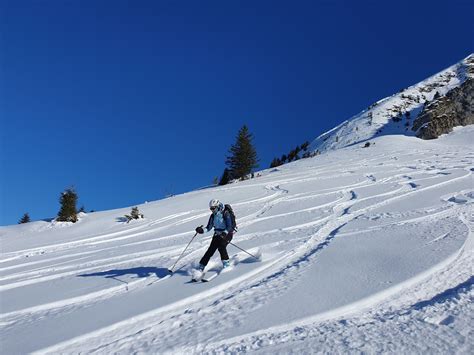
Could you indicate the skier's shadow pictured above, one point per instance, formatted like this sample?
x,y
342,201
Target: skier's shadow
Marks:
x,y
139,272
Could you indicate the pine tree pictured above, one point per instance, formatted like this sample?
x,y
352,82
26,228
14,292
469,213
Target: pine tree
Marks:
x,y
24,219
275,162
68,211
243,156
135,214
292,155
226,177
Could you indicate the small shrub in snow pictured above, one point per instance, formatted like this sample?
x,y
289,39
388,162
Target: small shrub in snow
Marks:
x,y
294,155
370,118
135,214
24,219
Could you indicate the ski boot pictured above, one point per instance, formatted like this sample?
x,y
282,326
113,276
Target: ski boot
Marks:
x,y
225,263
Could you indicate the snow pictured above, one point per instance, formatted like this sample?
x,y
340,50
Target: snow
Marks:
x,y
362,250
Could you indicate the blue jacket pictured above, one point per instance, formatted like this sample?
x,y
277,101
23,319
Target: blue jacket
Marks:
x,y
220,221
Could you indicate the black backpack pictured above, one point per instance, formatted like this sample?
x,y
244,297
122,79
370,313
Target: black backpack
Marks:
x,y
229,209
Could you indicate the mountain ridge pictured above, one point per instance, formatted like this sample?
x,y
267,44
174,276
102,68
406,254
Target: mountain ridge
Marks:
x,y
397,113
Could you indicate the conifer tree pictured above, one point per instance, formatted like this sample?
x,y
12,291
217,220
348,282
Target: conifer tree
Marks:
x,y
275,162
226,177
243,156
292,155
24,219
68,201
135,214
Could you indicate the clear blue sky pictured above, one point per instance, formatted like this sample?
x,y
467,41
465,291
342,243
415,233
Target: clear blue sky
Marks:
x,y
131,100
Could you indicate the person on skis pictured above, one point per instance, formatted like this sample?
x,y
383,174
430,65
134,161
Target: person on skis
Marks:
x,y
221,221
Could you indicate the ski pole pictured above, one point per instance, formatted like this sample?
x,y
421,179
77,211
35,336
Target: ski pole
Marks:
x,y
245,251
171,269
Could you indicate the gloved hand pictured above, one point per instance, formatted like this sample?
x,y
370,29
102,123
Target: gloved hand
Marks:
x,y
200,230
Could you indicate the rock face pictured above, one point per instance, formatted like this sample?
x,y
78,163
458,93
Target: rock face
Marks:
x,y
456,108
426,109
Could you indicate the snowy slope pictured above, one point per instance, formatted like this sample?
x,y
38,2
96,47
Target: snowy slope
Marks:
x,y
394,114
363,250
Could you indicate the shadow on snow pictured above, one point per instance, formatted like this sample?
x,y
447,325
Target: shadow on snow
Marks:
x,y
138,272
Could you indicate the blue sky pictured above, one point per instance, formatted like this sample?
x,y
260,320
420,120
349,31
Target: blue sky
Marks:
x,y
131,100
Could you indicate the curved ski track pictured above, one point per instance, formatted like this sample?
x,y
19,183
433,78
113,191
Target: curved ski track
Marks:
x,y
173,325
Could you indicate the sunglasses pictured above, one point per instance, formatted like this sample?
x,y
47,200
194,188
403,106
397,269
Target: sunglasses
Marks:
x,y
213,208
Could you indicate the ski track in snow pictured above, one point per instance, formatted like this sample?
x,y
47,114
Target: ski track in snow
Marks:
x,y
301,213
443,298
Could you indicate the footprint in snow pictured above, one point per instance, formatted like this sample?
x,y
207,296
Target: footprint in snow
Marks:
x,y
467,197
440,320
371,177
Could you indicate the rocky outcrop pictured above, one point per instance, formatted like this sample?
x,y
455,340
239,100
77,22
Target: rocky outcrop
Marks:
x,y
456,108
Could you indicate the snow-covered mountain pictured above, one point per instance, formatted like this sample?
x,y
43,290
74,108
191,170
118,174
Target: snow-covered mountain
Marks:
x,y
396,114
363,250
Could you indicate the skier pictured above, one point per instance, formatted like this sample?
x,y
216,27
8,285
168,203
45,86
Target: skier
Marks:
x,y
221,221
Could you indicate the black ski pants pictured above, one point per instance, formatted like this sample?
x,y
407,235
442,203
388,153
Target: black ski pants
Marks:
x,y
217,243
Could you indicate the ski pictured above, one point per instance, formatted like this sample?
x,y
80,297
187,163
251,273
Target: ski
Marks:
x,y
211,275
158,280
197,275
214,271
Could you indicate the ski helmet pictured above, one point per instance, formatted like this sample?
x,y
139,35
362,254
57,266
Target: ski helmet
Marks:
x,y
214,203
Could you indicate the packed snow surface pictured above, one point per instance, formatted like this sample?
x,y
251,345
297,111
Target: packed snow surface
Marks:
x,y
363,250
